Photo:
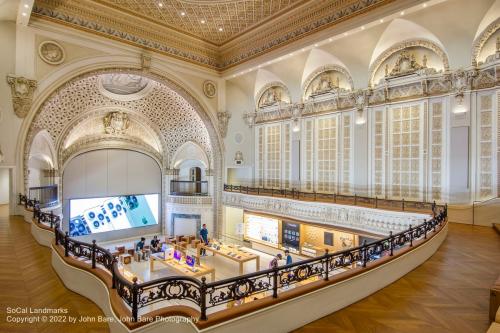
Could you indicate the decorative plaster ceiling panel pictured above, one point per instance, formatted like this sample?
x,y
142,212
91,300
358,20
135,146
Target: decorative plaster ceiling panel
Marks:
x,y
215,21
233,31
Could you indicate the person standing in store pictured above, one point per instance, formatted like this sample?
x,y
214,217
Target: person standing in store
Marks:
x,y
288,257
204,238
274,263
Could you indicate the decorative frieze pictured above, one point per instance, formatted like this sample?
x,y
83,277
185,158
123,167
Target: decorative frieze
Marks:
x,y
22,90
358,218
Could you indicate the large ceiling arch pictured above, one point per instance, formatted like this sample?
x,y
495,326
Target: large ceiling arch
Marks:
x,y
178,116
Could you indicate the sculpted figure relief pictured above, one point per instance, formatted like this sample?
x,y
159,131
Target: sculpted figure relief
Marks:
x,y
116,123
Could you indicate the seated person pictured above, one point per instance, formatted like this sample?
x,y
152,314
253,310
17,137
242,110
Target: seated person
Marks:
x,y
155,245
139,248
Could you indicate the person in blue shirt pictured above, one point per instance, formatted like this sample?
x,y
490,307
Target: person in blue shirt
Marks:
x,y
288,257
139,248
204,238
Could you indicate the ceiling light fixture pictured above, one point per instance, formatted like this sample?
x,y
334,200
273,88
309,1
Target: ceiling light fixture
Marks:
x,y
381,20
402,13
330,39
183,14
316,45
202,21
26,5
160,4
23,14
220,29
363,28
425,5
345,33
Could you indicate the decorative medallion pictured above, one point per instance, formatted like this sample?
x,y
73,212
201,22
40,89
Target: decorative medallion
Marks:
x,y
116,122
51,52
238,138
209,89
123,84
22,90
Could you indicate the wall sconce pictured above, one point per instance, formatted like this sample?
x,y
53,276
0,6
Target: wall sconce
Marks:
x,y
238,158
360,117
459,104
296,125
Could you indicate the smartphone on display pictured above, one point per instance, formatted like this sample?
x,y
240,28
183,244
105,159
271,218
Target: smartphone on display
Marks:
x,y
98,219
118,213
139,212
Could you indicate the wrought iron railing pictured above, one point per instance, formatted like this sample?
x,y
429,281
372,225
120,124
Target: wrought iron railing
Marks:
x,y
187,187
343,199
45,195
205,296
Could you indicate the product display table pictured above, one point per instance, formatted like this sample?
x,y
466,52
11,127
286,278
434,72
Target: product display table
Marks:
x,y
181,267
230,252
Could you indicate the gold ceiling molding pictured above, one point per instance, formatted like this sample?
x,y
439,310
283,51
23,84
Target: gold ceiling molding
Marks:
x,y
482,39
250,28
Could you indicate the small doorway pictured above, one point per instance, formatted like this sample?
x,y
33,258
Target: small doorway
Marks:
x,y
195,176
5,184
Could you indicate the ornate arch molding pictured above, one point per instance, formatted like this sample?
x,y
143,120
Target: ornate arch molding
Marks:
x,y
314,74
50,144
98,114
479,42
424,43
262,90
175,159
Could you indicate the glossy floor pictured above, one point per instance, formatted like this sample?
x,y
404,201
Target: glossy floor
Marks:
x,y
448,293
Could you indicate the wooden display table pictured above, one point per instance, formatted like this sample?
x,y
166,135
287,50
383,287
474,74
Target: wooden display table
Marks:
x,y
182,267
231,252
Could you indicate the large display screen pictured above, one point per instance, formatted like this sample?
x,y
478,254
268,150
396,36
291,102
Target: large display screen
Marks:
x,y
261,229
93,215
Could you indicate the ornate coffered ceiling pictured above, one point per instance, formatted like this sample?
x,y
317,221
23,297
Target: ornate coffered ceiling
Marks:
x,y
215,21
217,34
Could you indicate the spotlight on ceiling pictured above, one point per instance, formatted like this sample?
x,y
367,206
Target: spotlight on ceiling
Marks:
x,y
183,13
202,21
220,29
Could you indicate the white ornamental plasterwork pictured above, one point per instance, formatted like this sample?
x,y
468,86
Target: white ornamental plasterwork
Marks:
x,y
223,120
479,42
316,75
272,93
51,52
116,122
22,90
91,125
175,117
375,221
405,45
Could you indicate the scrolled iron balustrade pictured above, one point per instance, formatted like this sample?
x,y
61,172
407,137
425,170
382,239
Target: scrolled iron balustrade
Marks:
x,y
139,295
240,287
334,197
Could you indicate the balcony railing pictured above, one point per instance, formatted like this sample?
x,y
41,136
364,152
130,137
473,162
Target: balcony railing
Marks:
x,y
207,298
343,199
46,196
189,188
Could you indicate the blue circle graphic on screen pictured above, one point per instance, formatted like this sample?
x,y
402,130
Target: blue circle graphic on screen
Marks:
x,y
110,205
107,219
96,224
115,214
100,217
92,215
71,226
81,228
118,207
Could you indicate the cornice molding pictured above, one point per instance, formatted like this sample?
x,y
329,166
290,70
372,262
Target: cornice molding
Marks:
x,y
112,23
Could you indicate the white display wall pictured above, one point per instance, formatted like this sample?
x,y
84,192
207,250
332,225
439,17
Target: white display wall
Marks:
x,y
111,172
